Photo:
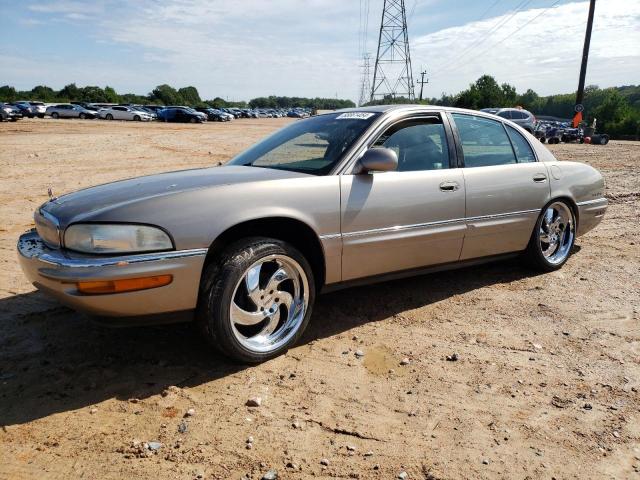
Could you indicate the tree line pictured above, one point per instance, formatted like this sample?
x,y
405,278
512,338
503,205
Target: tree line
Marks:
x,y
163,95
617,109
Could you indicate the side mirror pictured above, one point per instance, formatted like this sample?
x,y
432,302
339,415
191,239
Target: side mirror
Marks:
x,y
378,159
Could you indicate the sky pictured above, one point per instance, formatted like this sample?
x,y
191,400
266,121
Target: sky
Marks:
x,y
241,49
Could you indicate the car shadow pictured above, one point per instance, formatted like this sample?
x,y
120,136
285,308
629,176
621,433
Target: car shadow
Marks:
x,y
53,360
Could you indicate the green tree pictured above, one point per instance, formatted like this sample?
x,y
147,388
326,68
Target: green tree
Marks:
x,y
528,99
612,110
166,94
111,95
42,93
190,95
8,94
69,92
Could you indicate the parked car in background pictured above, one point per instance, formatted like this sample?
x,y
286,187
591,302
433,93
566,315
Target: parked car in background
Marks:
x,y
9,113
346,197
25,108
87,105
122,112
66,110
181,115
154,108
214,114
522,117
40,108
145,109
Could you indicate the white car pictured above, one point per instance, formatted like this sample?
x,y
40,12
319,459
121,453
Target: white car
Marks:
x,y
121,112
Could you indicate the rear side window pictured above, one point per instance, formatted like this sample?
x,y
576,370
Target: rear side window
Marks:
x,y
484,141
523,150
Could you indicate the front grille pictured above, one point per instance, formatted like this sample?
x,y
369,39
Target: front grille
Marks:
x,y
48,228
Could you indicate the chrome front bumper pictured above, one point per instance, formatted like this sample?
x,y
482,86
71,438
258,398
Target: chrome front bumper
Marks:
x,y
56,272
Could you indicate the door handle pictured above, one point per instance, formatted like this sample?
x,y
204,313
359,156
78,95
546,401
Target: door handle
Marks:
x,y
539,177
449,186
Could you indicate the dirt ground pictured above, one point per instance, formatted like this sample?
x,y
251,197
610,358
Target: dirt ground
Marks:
x,y
545,385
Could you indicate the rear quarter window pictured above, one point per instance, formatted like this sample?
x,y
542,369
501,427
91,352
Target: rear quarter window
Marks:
x,y
524,152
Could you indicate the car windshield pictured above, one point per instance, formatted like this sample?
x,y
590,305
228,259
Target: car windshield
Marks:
x,y
314,145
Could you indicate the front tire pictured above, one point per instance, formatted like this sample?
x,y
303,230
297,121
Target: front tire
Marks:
x,y
553,237
83,116
136,118
256,299
55,115
109,116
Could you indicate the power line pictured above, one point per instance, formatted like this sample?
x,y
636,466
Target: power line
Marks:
x,y
501,21
518,30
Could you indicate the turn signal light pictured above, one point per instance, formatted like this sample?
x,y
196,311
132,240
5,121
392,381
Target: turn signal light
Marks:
x,y
124,285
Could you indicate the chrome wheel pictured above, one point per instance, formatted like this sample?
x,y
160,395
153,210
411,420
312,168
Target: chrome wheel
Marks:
x,y
269,303
557,231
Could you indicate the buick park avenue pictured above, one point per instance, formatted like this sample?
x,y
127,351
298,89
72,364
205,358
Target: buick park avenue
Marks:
x,y
352,196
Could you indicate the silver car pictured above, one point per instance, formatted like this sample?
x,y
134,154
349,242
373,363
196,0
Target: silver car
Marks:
x,y
353,196
519,116
66,110
122,112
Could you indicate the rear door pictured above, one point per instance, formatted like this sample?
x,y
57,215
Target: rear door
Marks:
x,y
119,113
506,187
409,218
66,111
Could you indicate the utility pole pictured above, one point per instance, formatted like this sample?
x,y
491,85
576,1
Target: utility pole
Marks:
x,y
422,81
579,108
365,86
392,75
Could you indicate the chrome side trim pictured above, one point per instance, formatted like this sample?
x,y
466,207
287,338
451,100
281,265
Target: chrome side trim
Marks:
x,y
330,236
436,224
399,228
30,245
591,202
501,215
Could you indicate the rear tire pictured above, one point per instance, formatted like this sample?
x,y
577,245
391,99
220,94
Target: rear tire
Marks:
x,y
552,238
109,116
240,297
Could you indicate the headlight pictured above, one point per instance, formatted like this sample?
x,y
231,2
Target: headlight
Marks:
x,y
114,238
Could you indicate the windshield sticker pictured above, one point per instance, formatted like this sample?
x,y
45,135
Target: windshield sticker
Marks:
x,y
355,115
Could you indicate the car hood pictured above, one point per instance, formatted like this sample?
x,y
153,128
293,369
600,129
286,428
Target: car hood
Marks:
x,y
83,204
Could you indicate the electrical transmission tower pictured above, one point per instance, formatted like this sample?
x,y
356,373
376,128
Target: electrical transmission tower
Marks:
x,y
365,87
393,76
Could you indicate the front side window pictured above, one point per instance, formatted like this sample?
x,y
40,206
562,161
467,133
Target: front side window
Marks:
x,y
523,150
484,141
420,144
314,145
505,114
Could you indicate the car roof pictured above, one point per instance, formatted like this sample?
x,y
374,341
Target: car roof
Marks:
x,y
411,107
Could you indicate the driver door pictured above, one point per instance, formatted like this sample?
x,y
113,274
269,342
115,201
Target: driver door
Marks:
x,y
409,218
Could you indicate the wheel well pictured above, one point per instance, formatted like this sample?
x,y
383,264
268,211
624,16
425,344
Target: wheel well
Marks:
x,y
294,232
569,201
